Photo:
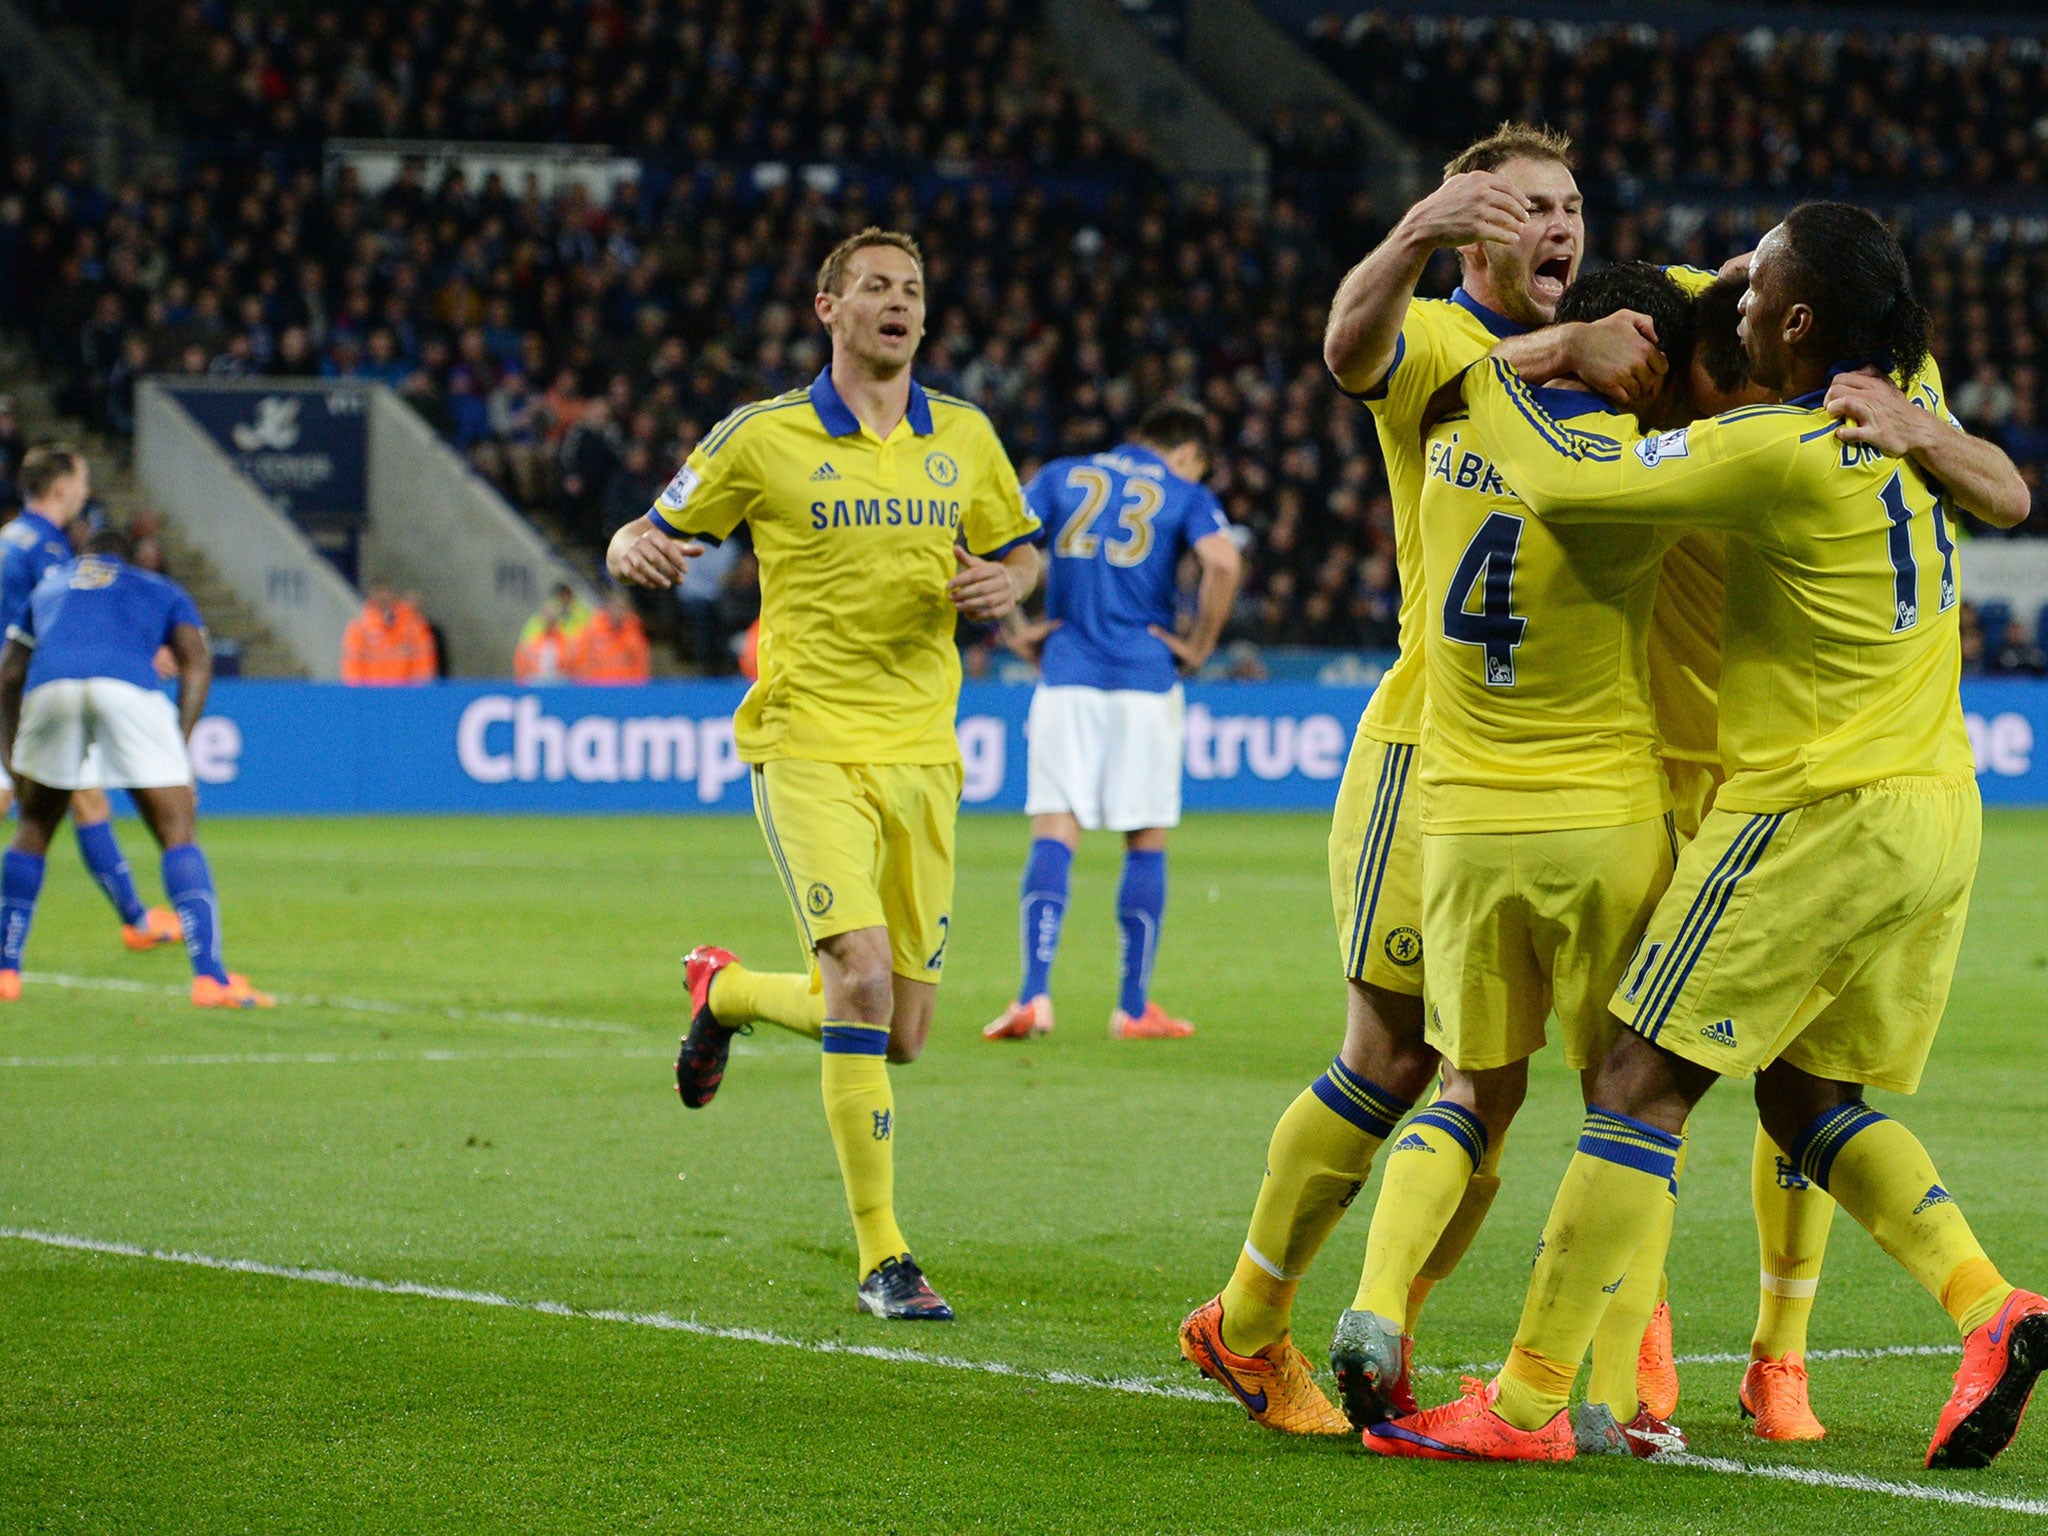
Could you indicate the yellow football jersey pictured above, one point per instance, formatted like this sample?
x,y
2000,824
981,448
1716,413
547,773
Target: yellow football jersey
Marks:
x,y
1438,338
855,537
1539,695
1840,646
1685,624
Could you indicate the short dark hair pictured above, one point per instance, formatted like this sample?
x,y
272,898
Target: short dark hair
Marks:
x,y
1647,290
1853,273
111,543
1172,423
1512,141
1717,344
44,465
832,274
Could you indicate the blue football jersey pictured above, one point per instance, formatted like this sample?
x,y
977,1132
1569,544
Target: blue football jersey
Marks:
x,y
99,617
1117,524
29,547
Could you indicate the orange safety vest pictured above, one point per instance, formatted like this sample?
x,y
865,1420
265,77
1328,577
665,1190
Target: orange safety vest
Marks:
x,y
612,651
381,653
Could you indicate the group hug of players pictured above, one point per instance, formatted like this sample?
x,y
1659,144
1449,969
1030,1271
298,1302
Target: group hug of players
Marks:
x,y
1677,703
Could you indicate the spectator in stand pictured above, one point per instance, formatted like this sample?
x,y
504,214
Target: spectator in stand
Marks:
x,y
549,643
702,597
592,452
612,649
12,446
387,645
2017,655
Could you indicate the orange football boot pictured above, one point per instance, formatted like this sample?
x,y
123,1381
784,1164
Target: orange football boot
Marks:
x,y
1277,1385
159,926
1153,1024
1470,1430
208,993
1020,1021
1994,1382
1774,1393
10,986
1657,1367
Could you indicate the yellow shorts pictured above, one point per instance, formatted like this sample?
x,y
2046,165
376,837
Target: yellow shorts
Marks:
x,y
1825,935
1376,866
1693,787
865,847
1517,923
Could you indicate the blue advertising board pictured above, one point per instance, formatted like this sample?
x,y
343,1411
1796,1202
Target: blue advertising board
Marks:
x,y
273,747
306,448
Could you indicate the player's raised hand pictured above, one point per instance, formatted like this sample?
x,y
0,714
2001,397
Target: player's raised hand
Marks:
x,y
1737,266
1478,205
982,590
644,556
1187,654
1876,411
1618,356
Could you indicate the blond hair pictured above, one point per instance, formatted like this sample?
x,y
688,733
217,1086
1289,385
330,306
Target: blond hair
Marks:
x,y
44,465
832,275
1512,141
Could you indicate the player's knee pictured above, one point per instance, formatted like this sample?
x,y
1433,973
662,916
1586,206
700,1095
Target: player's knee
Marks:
x,y
1788,1100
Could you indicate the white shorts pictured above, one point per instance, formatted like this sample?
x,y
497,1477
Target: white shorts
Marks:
x,y
100,733
1111,758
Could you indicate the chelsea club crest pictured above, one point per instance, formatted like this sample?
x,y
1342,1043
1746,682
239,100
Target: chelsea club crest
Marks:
x,y
941,468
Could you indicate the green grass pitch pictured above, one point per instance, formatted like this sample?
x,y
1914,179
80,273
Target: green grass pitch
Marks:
x,y
470,1089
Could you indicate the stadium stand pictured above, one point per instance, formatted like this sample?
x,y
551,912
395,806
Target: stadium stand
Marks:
x,y
574,348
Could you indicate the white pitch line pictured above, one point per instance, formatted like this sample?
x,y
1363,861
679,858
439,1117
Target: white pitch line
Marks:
x,y
1727,1357
1813,1477
1137,1385
324,1058
662,1320
341,1004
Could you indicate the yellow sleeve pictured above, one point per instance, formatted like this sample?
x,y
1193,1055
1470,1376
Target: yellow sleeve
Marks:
x,y
1694,280
1723,472
1422,365
713,490
995,519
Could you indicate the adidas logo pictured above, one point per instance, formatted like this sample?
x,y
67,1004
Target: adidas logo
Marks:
x,y
825,471
1722,1033
1413,1143
1934,1196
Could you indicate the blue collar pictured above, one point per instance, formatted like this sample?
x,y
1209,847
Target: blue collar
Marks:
x,y
1563,403
1140,451
838,419
1493,320
42,522
1812,398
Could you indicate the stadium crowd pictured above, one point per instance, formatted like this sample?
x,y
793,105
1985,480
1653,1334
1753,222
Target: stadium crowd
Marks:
x,y
1707,106
575,347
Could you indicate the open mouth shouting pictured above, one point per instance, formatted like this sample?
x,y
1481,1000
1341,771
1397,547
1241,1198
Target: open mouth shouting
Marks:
x,y
1548,278
895,330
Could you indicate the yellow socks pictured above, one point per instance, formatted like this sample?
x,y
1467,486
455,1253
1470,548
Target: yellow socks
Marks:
x,y
1618,1341
1612,1197
1884,1178
1427,1175
788,999
1465,1223
1792,1221
1320,1154
862,1114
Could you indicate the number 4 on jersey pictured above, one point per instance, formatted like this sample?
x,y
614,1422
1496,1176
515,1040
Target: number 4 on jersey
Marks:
x,y
1489,564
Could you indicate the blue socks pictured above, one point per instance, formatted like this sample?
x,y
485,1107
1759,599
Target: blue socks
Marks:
x,y
190,885
102,856
1041,909
21,881
1140,910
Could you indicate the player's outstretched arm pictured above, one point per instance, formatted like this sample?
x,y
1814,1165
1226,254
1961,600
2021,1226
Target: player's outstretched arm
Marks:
x,y
1617,356
1976,473
646,556
1372,301
1222,571
195,674
1712,474
13,678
